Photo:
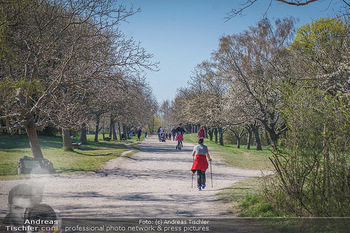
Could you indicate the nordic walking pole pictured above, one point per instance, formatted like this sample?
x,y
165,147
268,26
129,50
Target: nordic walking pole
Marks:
x,y
192,172
211,174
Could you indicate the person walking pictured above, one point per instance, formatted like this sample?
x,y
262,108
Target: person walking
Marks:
x,y
173,132
139,132
181,129
160,133
200,164
201,133
159,129
179,139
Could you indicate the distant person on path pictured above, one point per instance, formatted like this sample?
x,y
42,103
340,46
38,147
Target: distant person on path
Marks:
x,y
139,132
180,129
200,163
146,135
201,133
160,133
179,139
173,133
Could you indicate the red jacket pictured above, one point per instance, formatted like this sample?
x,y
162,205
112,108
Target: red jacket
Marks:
x,y
179,137
200,163
201,133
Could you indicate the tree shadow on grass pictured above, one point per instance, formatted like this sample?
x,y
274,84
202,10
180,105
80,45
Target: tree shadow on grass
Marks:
x,y
22,141
96,155
71,170
50,142
15,141
98,145
163,148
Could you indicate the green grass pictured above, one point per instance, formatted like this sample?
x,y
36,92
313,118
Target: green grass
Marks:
x,y
254,205
252,159
90,157
237,193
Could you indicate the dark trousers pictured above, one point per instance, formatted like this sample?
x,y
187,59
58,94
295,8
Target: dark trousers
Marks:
x,y
200,178
179,143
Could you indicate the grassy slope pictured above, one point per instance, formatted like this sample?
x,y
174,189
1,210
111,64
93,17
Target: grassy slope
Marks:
x,y
88,157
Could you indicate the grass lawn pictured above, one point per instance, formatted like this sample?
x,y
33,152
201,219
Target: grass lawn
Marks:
x,y
88,157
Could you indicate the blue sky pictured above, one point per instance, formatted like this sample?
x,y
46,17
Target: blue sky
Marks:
x,y
183,33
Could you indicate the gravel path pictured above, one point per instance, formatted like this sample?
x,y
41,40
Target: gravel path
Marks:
x,y
155,182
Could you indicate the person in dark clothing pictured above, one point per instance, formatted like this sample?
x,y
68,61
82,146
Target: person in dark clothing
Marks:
x,y
180,129
173,133
139,132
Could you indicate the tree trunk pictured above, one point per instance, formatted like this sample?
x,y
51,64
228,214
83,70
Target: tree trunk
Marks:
x,y
114,133
257,138
267,138
151,125
97,128
34,141
120,132
83,132
67,142
239,136
273,135
216,135
249,139
210,132
126,134
221,136
111,123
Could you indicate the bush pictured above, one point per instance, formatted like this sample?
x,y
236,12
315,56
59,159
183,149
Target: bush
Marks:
x,y
312,172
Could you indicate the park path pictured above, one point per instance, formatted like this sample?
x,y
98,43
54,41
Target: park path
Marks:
x,y
155,182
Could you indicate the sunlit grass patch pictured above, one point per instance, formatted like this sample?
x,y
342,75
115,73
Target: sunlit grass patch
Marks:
x,y
90,157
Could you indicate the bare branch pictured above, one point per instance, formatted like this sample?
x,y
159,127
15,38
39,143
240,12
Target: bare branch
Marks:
x,y
297,2
234,12
348,4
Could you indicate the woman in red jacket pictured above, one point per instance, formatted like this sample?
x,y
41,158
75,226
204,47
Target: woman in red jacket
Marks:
x,y
200,163
201,133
